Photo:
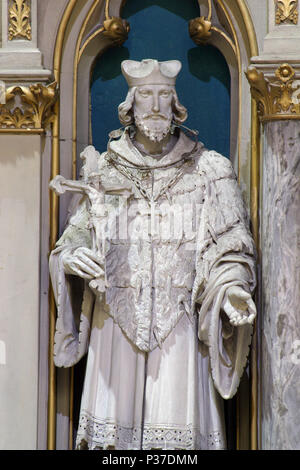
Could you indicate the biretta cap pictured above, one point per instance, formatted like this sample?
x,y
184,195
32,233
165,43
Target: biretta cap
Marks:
x,y
150,72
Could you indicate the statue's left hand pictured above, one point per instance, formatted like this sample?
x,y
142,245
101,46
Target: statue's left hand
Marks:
x,y
239,306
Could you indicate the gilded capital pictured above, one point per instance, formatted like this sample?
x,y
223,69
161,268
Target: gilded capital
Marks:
x,y
28,109
276,97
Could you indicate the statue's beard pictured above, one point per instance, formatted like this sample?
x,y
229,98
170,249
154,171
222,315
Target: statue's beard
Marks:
x,y
154,126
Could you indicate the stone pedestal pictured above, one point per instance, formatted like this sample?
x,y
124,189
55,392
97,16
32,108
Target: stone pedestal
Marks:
x,y
280,237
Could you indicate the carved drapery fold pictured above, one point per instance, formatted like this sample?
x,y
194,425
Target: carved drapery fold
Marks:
x,y
28,108
19,19
278,97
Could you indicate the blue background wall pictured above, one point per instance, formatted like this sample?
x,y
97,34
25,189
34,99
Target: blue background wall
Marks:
x,y
159,30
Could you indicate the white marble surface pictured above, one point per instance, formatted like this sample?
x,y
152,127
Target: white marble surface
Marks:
x,y
19,290
281,287
283,38
19,57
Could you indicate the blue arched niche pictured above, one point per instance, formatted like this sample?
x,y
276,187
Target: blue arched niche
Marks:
x,y
159,30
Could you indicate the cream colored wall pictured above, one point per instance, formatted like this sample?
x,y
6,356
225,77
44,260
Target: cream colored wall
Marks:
x,y
259,13
19,289
0,26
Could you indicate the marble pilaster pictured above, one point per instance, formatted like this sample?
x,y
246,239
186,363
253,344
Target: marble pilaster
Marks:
x,y
275,82
280,237
20,57
20,169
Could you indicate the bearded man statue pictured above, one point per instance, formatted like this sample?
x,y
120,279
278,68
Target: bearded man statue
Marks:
x,y
160,242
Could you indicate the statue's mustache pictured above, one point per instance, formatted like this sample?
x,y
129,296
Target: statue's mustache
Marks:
x,y
155,116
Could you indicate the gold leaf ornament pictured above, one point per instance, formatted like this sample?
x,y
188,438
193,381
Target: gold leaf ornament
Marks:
x,y
286,11
275,98
285,73
19,17
15,119
37,112
116,29
200,29
260,91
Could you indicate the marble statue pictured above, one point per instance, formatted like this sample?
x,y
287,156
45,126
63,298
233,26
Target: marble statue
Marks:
x,y
153,278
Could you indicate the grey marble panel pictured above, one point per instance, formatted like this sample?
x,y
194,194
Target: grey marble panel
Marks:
x,y
281,286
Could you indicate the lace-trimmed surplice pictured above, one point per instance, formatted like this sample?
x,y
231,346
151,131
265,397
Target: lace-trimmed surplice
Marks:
x,y
180,402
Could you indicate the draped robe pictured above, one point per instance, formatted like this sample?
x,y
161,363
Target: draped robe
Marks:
x,y
161,352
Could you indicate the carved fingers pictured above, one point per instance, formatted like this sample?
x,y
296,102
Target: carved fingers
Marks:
x,y
239,306
83,262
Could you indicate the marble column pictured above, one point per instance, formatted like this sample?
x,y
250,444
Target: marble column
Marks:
x,y
280,247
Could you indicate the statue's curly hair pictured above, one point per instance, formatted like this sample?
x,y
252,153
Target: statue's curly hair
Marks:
x,y
125,109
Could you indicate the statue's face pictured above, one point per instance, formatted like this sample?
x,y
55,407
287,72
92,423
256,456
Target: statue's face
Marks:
x,y
153,110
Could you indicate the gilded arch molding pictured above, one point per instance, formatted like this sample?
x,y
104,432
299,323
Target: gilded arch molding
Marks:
x,y
110,31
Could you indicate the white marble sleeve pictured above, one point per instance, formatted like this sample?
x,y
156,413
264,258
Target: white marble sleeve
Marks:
x,y
225,258
228,345
73,297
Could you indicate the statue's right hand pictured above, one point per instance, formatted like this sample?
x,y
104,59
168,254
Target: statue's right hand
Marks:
x,y
83,262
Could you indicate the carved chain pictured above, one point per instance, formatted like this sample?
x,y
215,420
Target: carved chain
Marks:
x,y
138,184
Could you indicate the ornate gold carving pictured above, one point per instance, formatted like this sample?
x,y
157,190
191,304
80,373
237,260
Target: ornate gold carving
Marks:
x,y
276,98
201,28
19,19
286,11
116,29
28,108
